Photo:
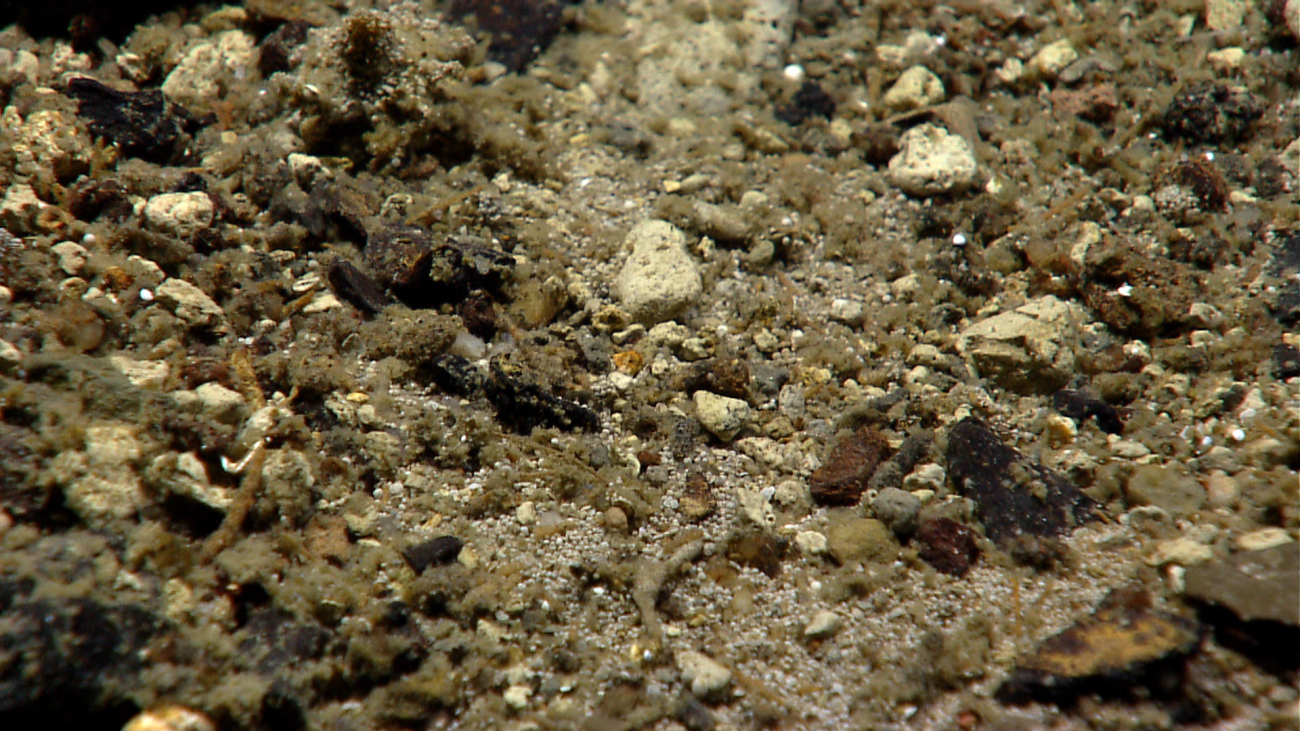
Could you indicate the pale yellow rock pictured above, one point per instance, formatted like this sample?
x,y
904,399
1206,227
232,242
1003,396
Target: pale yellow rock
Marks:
x,y
1180,551
1263,538
917,87
1052,58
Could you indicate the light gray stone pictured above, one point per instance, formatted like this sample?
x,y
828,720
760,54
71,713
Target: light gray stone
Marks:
x,y
706,676
209,69
916,87
1022,350
147,374
220,403
721,415
898,509
180,214
186,475
660,278
931,161
191,304
100,484
823,624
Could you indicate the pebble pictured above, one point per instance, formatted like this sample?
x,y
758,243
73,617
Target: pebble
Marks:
x,y
616,520
707,677
1052,58
169,718
1255,585
1263,539
721,415
823,624
100,484
931,161
180,214
927,477
810,542
1021,350
10,356
200,76
847,311
1180,551
1222,490
72,256
859,540
660,279
220,403
190,303
916,87
526,513
146,374
516,696
948,546
898,509
1167,488
1225,14
849,467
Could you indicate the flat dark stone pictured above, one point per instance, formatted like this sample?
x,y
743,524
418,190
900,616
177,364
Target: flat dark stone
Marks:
x,y
1013,496
142,124
519,29
947,545
1081,406
523,405
437,551
357,287
1122,646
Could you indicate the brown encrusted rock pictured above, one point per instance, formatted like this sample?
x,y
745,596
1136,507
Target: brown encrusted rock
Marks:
x,y
1123,645
1135,293
947,545
844,476
1013,496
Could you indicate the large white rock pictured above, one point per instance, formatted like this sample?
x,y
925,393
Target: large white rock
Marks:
x,y
660,278
708,677
209,70
180,214
931,161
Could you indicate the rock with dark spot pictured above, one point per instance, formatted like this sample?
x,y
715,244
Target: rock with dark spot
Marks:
x,y
91,199
141,124
1201,177
1012,495
1080,406
760,550
357,287
519,29
434,552
276,50
810,101
844,476
399,256
1212,112
729,377
1136,293
1123,646
1286,361
456,375
523,405
947,545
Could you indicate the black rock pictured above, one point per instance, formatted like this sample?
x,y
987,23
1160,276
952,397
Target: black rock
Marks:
x,y
276,50
519,29
1013,496
523,406
1286,361
1080,406
141,124
438,551
1212,112
356,287
456,375
810,101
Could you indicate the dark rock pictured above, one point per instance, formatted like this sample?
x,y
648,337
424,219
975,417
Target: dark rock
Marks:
x,y
878,142
356,287
894,469
457,267
141,124
523,405
1080,406
810,101
519,29
84,21
1286,361
947,545
1160,290
844,476
694,715
399,256
729,377
435,552
456,375
1013,496
1123,646
276,49
1201,177
478,314
66,660
91,199
1285,265
1212,112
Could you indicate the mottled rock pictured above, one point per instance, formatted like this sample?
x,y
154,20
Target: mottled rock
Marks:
x,y
947,545
898,509
180,214
191,304
1012,495
849,467
724,417
523,405
1122,646
142,124
859,540
931,161
1212,112
1081,406
660,278
209,70
1022,350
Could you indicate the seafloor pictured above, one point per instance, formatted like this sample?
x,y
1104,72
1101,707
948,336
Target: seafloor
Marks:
x,y
663,364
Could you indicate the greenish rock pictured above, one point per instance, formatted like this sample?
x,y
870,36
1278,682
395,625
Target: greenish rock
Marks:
x,y
1166,488
860,540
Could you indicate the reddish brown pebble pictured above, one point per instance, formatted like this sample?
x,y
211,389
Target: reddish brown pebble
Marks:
x,y
948,546
844,477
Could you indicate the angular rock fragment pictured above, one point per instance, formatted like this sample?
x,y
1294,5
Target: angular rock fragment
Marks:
x,y
455,374
1212,112
400,256
436,551
357,287
844,477
1080,406
523,405
142,124
1013,496
1123,645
